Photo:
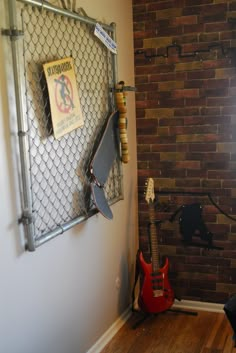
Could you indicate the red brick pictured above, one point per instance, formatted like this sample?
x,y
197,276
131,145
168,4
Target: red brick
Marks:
x,y
229,184
145,87
143,148
138,43
206,120
170,122
178,93
158,96
191,173
210,38
138,26
214,64
146,70
169,76
144,34
203,147
139,8
156,165
138,2
211,183
210,165
214,92
140,96
143,17
150,156
217,83
197,75
189,111
197,2
154,6
188,130
220,16
140,113
217,27
193,28
233,82
142,165
188,164
140,79
229,110
226,35
221,174
170,31
186,38
207,156
173,173
194,84
192,10
141,104
199,101
184,20
210,111
144,123
223,101
188,182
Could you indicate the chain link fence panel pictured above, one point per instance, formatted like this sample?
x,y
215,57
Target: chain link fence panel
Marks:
x,y
58,170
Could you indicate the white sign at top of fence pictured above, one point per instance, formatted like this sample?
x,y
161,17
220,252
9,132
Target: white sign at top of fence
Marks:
x,y
105,38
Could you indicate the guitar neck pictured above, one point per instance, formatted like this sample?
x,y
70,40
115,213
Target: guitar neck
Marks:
x,y
153,239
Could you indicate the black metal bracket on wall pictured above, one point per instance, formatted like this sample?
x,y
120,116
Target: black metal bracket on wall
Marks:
x,y
190,193
179,50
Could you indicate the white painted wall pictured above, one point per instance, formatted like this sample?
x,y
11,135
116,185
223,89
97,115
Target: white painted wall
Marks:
x,y
62,297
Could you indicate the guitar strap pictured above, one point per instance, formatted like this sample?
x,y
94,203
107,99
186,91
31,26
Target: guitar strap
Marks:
x,y
135,306
191,224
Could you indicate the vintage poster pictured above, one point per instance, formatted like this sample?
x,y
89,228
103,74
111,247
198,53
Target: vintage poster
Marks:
x,y
63,95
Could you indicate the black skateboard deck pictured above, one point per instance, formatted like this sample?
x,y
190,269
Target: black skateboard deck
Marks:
x,y
101,164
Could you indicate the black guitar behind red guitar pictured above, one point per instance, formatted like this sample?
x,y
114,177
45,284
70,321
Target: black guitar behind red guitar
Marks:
x,y
156,294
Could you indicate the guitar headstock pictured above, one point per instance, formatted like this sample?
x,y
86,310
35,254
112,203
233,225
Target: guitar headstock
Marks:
x,y
149,191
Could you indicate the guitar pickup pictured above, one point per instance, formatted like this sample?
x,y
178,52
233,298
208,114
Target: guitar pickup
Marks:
x,y
156,274
157,280
157,288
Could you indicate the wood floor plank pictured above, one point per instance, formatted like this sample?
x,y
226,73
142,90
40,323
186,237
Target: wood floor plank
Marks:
x,y
191,335
214,329
228,348
221,335
171,332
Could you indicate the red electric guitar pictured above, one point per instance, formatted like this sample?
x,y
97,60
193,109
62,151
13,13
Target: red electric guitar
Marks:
x,y
156,294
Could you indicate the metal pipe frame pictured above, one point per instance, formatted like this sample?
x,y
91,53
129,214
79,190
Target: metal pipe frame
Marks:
x,y
33,243
63,228
22,134
47,6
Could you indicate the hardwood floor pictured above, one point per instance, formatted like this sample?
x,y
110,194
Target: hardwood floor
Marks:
x,y
174,332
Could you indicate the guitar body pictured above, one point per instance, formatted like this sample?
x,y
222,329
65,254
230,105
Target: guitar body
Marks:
x,y
156,294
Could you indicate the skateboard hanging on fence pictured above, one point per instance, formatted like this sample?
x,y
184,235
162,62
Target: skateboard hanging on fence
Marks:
x,y
110,145
101,164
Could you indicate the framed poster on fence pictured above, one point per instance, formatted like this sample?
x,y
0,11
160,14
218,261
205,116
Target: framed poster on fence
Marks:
x,y
64,100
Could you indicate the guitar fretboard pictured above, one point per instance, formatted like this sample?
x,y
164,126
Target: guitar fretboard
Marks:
x,y
153,239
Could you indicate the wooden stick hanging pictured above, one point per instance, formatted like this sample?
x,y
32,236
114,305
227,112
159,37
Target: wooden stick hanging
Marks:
x,y
120,97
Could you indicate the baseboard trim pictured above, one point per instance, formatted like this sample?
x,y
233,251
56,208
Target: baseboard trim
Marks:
x,y
110,333
196,305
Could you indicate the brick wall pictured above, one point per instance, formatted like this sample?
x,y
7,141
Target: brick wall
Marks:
x,y
186,133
